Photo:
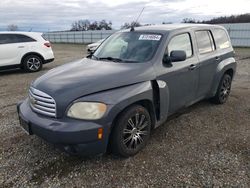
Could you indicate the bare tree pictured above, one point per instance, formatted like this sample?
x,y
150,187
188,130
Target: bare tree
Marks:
x,y
84,25
80,25
103,25
166,23
242,18
189,20
12,27
128,25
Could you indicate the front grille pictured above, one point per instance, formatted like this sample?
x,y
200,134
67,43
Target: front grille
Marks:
x,y
42,103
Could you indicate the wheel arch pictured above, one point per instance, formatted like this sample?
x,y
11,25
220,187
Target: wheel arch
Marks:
x,y
230,72
146,103
31,53
228,66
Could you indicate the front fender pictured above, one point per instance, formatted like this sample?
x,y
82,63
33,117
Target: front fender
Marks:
x,y
222,67
118,99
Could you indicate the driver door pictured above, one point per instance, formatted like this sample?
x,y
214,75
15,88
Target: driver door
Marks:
x,y
181,77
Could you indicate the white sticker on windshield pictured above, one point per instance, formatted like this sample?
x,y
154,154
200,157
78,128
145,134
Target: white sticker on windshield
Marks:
x,y
150,37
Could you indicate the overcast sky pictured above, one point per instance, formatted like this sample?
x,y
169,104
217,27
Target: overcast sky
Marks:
x,y
59,14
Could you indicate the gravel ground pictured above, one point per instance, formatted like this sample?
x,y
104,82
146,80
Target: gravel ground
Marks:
x,y
206,145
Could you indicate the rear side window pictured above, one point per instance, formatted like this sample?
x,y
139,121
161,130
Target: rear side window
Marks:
x,y
204,41
24,38
181,42
221,39
44,37
14,38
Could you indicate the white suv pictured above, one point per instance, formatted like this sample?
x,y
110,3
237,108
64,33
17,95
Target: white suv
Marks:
x,y
26,50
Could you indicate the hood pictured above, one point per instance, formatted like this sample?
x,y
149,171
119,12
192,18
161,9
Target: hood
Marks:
x,y
86,76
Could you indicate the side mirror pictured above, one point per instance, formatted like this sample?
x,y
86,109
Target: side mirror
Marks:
x,y
175,56
90,53
178,55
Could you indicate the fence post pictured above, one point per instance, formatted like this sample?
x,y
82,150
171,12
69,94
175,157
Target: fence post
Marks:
x,y
60,37
48,36
91,37
229,32
83,35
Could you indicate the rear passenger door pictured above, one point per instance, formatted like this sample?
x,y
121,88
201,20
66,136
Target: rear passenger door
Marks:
x,y
12,48
208,61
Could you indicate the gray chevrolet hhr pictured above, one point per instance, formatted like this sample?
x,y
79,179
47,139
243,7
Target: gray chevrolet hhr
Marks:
x,y
129,86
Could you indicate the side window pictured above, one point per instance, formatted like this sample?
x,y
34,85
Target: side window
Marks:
x,y
5,39
14,38
204,41
23,38
44,37
221,39
181,42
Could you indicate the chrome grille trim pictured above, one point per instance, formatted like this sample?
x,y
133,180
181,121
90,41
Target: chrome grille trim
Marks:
x,y
40,98
42,103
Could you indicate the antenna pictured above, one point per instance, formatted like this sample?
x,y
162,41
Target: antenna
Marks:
x,y
132,26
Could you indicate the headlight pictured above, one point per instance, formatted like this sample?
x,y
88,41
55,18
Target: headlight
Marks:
x,y
87,110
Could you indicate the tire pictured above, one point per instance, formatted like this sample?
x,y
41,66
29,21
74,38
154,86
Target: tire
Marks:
x,y
223,90
32,63
131,131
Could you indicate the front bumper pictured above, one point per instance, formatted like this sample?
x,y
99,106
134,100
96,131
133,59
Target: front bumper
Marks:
x,y
74,136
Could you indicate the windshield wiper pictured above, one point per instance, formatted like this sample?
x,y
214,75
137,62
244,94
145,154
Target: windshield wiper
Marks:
x,y
110,59
117,59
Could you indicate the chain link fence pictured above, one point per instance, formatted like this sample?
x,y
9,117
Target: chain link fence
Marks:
x,y
239,34
81,37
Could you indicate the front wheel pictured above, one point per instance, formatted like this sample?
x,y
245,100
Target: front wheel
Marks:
x,y
131,132
223,90
32,63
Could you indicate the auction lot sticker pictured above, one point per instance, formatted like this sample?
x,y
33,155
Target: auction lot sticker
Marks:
x,y
150,37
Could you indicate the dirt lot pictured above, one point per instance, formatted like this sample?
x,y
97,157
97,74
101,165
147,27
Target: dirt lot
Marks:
x,y
207,145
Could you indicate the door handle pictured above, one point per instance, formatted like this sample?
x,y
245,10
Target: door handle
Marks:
x,y
217,58
192,67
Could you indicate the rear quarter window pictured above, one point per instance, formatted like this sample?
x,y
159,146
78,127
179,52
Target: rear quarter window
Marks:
x,y
221,39
44,37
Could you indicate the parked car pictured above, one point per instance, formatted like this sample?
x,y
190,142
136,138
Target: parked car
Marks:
x,y
93,46
129,86
26,50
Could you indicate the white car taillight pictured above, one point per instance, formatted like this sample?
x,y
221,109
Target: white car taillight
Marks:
x,y
47,44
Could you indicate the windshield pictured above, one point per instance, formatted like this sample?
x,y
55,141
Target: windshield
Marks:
x,y
128,47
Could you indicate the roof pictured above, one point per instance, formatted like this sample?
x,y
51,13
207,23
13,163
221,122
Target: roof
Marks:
x,y
170,27
20,32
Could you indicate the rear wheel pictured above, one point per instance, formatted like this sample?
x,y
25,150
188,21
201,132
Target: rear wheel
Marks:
x,y
223,90
132,131
32,63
